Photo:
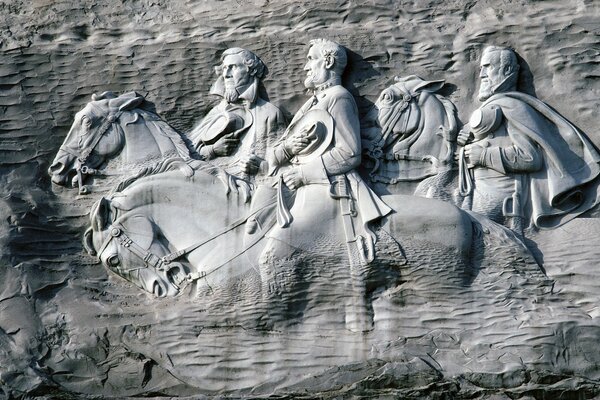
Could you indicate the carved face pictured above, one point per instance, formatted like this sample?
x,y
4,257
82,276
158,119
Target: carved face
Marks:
x,y
235,72
316,69
492,74
120,259
81,136
97,136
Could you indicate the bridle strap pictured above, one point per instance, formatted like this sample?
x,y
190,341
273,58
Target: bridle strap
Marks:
x,y
159,263
149,258
397,114
110,119
176,254
102,129
80,168
257,239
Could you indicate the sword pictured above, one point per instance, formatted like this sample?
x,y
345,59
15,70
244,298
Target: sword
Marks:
x,y
512,206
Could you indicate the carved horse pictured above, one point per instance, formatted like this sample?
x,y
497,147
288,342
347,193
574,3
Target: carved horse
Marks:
x,y
409,135
135,228
162,231
123,130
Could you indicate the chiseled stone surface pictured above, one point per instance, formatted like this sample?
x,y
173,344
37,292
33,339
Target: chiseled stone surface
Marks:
x,y
495,327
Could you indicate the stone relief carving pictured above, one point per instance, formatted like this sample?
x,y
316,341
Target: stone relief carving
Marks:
x,y
315,203
326,186
522,163
519,162
132,236
410,136
236,132
124,131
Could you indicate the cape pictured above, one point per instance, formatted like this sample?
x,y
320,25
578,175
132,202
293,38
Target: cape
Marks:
x,y
567,185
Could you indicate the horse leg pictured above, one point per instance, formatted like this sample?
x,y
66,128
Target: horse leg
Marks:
x,y
436,238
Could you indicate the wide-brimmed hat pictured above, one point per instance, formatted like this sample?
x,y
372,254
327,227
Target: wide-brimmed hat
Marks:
x,y
224,123
317,123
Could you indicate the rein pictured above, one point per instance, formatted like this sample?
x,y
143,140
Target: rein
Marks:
x,y
83,156
151,260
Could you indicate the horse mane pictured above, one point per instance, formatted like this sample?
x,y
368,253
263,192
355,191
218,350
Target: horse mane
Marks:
x,y
168,164
145,106
450,133
188,168
177,139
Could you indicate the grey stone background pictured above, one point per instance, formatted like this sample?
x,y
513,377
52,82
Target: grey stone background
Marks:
x,y
55,54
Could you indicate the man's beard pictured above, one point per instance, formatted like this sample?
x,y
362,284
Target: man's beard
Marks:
x,y
314,80
486,90
309,83
231,94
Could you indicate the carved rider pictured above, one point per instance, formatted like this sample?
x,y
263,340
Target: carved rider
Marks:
x,y
524,164
236,132
316,160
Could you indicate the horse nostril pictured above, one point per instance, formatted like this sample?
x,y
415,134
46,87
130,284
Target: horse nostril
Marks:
x,y
57,173
58,179
56,167
60,169
157,290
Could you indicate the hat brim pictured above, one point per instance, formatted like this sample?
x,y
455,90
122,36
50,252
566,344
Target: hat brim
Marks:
x,y
318,123
223,124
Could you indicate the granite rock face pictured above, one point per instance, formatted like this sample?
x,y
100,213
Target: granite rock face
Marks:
x,y
505,329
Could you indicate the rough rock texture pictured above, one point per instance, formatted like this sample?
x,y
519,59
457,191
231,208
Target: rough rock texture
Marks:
x,y
68,327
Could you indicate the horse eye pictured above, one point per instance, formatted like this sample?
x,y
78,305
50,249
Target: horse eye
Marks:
x,y
86,123
113,261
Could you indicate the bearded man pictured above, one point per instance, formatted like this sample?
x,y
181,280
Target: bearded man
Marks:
x,y
236,133
523,163
317,162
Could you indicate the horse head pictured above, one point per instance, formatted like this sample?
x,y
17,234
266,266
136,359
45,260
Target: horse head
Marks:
x,y
410,132
95,136
397,113
125,243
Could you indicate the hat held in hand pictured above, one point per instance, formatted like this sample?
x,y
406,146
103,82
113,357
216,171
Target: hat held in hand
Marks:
x,y
222,124
317,125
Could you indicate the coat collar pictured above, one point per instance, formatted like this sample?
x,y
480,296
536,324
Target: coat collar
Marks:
x,y
248,93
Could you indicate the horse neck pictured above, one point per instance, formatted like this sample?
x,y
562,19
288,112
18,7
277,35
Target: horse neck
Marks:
x,y
139,147
436,130
184,211
146,141
433,115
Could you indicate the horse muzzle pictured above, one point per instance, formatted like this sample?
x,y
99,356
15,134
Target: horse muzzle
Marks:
x,y
62,168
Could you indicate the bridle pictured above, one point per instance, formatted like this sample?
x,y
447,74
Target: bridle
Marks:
x,y
166,262
397,113
82,156
377,153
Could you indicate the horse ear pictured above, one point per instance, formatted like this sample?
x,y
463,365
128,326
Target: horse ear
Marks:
x,y
430,86
100,214
104,96
413,79
88,241
128,101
